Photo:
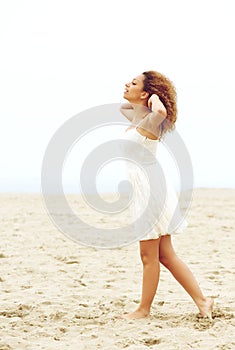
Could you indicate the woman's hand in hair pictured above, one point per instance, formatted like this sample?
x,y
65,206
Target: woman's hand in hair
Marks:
x,y
155,104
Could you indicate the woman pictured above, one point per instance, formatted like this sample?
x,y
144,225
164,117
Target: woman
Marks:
x,y
152,112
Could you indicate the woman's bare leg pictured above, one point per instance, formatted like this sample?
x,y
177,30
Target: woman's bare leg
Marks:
x,y
184,276
149,252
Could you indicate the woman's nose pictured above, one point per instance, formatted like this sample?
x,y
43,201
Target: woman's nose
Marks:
x,y
127,84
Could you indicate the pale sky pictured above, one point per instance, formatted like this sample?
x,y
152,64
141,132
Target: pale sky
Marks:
x,y
59,58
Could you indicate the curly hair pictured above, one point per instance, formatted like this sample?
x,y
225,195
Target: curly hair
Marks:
x,y
157,83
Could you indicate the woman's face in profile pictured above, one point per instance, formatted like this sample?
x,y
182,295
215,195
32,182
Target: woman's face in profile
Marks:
x,y
134,89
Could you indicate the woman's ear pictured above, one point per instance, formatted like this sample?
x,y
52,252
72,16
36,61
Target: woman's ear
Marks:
x,y
144,95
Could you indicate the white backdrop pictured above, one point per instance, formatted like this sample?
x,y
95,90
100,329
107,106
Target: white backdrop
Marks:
x,y
61,57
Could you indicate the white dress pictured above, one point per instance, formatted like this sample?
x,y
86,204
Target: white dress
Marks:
x,y
154,203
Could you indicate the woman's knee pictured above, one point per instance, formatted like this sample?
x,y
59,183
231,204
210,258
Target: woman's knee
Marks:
x,y
164,260
167,260
166,252
149,251
148,257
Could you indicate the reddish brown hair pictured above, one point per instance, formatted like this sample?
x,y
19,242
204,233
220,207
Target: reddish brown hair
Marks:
x,y
157,83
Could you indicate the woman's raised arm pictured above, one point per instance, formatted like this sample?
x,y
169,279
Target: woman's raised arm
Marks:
x,y
156,116
127,110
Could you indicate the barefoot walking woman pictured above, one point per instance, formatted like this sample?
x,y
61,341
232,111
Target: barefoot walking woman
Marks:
x,y
153,92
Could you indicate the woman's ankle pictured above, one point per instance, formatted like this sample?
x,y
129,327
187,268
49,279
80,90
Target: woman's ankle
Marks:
x,y
205,307
200,302
143,309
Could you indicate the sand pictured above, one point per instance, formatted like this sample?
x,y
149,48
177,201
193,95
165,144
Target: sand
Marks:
x,y
57,294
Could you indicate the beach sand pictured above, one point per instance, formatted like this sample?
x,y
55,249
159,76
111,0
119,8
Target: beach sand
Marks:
x,y
57,294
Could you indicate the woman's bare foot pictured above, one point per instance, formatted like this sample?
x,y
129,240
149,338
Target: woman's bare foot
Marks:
x,y
206,308
136,315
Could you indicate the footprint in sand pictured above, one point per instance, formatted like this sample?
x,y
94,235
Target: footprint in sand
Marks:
x,y
151,341
5,347
21,311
